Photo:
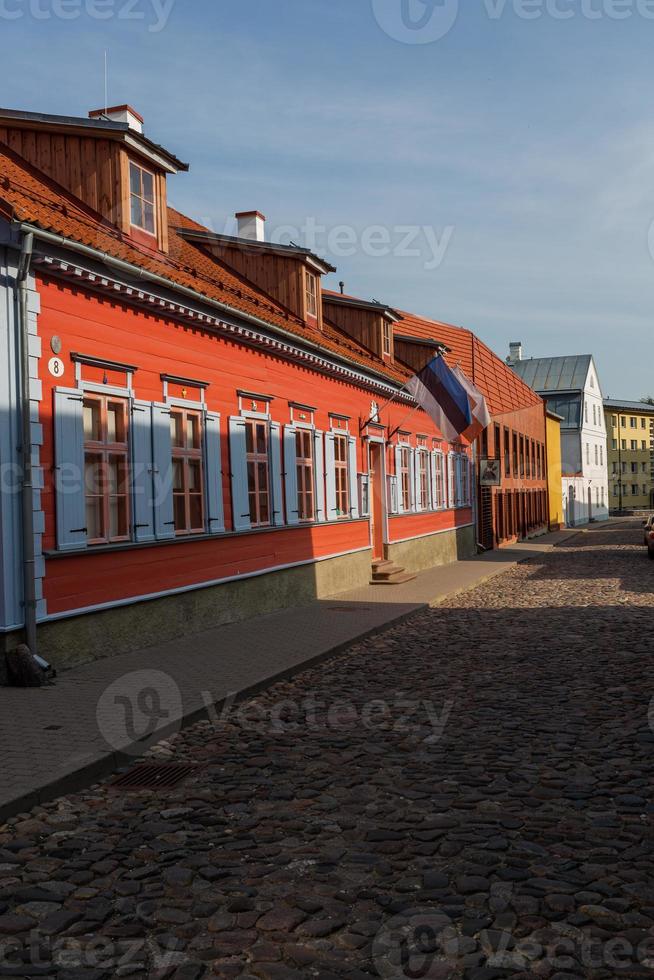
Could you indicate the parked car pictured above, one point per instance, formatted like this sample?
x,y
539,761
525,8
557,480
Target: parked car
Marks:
x,y
648,526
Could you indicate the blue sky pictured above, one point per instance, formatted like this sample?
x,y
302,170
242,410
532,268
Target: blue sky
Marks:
x,y
512,158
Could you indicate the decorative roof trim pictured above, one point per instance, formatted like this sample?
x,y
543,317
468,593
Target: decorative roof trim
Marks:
x,y
245,334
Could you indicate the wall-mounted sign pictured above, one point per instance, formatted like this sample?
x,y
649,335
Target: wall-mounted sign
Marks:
x,y
56,367
490,474
55,345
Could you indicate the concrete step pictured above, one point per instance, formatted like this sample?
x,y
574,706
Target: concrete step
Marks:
x,y
388,569
394,578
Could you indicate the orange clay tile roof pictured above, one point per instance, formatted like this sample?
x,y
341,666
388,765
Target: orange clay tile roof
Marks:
x,y
29,196
504,390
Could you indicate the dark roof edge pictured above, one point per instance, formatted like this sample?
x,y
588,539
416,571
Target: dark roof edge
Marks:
x,y
102,125
363,304
273,247
422,342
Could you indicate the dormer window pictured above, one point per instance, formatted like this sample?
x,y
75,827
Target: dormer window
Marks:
x,y
141,188
311,294
386,338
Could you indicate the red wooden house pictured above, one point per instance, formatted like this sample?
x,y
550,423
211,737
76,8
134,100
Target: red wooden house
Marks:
x,y
517,506
205,435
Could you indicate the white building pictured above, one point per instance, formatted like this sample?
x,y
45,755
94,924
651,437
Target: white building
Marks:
x,y
571,388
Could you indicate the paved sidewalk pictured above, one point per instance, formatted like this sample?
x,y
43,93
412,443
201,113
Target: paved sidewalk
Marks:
x,y
58,739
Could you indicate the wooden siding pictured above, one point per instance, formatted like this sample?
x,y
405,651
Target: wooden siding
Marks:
x,y
106,328
277,275
95,170
365,326
415,355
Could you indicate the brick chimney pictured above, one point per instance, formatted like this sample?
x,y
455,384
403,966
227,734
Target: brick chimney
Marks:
x,y
251,225
120,113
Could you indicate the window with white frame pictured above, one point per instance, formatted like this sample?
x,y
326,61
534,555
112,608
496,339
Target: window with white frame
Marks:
x,y
304,441
188,478
341,476
106,469
258,470
386,337
311,293
141,188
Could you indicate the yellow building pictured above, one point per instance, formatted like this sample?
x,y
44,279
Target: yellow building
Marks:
x,y
554,484
630,454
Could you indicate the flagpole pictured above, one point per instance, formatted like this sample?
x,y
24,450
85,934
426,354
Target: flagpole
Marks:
x,y
398,427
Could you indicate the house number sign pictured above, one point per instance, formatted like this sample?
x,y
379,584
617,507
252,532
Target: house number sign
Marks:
x,y
56,367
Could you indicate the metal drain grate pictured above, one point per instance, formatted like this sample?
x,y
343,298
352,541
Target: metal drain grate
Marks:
x,y
152,775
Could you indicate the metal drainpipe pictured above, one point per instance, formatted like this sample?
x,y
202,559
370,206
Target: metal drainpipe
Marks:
x,y
29,587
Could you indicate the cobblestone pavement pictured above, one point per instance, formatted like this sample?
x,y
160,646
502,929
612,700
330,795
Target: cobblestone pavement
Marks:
x,y
466,795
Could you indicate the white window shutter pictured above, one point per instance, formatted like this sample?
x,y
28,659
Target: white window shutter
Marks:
x,y
434,480
459,480
290,475
353,481
330,476
69,469
319,475
416,479
392,494
142,472
412,480
451,498
276,474
214,474
239,474
398,476
364,494
162,472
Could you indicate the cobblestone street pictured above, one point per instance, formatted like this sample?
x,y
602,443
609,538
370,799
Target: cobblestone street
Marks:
x,y
468,794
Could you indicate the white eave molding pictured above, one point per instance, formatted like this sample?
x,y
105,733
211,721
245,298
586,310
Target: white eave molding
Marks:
x,y
248,335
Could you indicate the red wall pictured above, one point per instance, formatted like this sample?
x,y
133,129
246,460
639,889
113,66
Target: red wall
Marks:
x,y
102,327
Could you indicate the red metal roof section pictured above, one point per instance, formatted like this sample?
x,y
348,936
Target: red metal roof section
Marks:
x,y
29,196
504,390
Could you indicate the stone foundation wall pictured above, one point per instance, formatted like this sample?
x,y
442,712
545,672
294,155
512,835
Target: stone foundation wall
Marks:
x,y
82,639
433,549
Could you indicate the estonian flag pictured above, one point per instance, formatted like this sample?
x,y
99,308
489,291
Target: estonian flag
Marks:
x,y
442,396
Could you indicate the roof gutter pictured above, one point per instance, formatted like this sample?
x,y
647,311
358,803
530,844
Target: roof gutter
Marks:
x,y
135,272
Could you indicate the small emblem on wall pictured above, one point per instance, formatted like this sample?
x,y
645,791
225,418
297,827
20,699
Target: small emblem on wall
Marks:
x,y
56,367
56,345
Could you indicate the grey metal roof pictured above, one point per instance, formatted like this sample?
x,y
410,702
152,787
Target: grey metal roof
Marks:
x,y
629,406
554,373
